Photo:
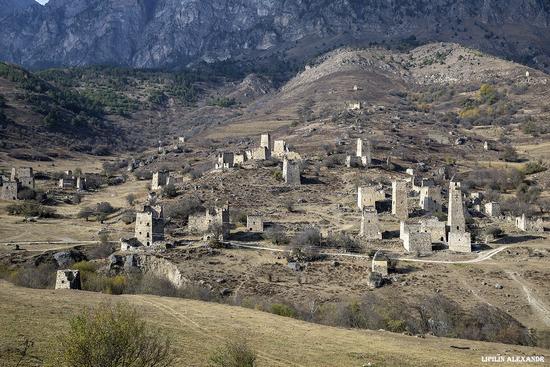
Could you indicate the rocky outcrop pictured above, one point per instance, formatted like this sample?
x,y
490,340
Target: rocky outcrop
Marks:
x,y
148,264
154,33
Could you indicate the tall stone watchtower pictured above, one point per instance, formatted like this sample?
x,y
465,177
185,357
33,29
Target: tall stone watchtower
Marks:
x,y
265,141
150,225
456,219
399,205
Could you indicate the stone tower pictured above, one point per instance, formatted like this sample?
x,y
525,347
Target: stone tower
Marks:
x,y
399,205
265,141
370,228
456,219
159,180
291,172
150,225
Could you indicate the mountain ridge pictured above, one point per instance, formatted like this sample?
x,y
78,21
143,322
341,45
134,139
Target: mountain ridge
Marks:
x,y
167,33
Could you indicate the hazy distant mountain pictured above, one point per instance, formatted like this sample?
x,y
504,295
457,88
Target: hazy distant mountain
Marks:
x,y
9,6
153,33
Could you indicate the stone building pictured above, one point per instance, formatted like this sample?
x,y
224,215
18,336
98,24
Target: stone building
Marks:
x,y
254,223
355,106
265,141
81,183
159,180
399,204
370,228
529,225
149,226
224,160
436,229
23,175
206,221
456,219
380,263
280,148
369,195
10,190
364,151
67,279
431,199
261,153
460,241
415,237
239,159
66,183
492,209
291,172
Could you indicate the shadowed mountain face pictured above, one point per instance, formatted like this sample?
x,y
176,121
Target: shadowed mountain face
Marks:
x,y
7,7
158,33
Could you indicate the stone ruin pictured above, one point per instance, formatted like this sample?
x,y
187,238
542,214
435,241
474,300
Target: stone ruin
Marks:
x,y
254,223
414,238
380,263
225,160
291,172
70,181
355,106
260,153
369,195
363,155
370,228
399,203
149,229
460,241
159,180
205,222
20,178
280,148
24,175
529,225
436,228
265,141
492,209
68,279
10,190
239,159
431,199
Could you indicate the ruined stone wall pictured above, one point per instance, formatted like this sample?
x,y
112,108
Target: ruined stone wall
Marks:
x,y
67,279
435,228
368,196
431,199
10,190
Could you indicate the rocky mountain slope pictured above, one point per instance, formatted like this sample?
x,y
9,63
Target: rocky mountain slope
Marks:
x,y
7,7
158,33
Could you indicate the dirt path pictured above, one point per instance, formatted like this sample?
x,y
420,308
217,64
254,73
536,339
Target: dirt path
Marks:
x,y
482,256
541,309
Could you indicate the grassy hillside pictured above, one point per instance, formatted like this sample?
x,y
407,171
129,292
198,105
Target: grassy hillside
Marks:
x,y
197,328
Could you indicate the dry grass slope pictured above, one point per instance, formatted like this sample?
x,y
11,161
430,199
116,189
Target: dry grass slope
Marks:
x,y
197,328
